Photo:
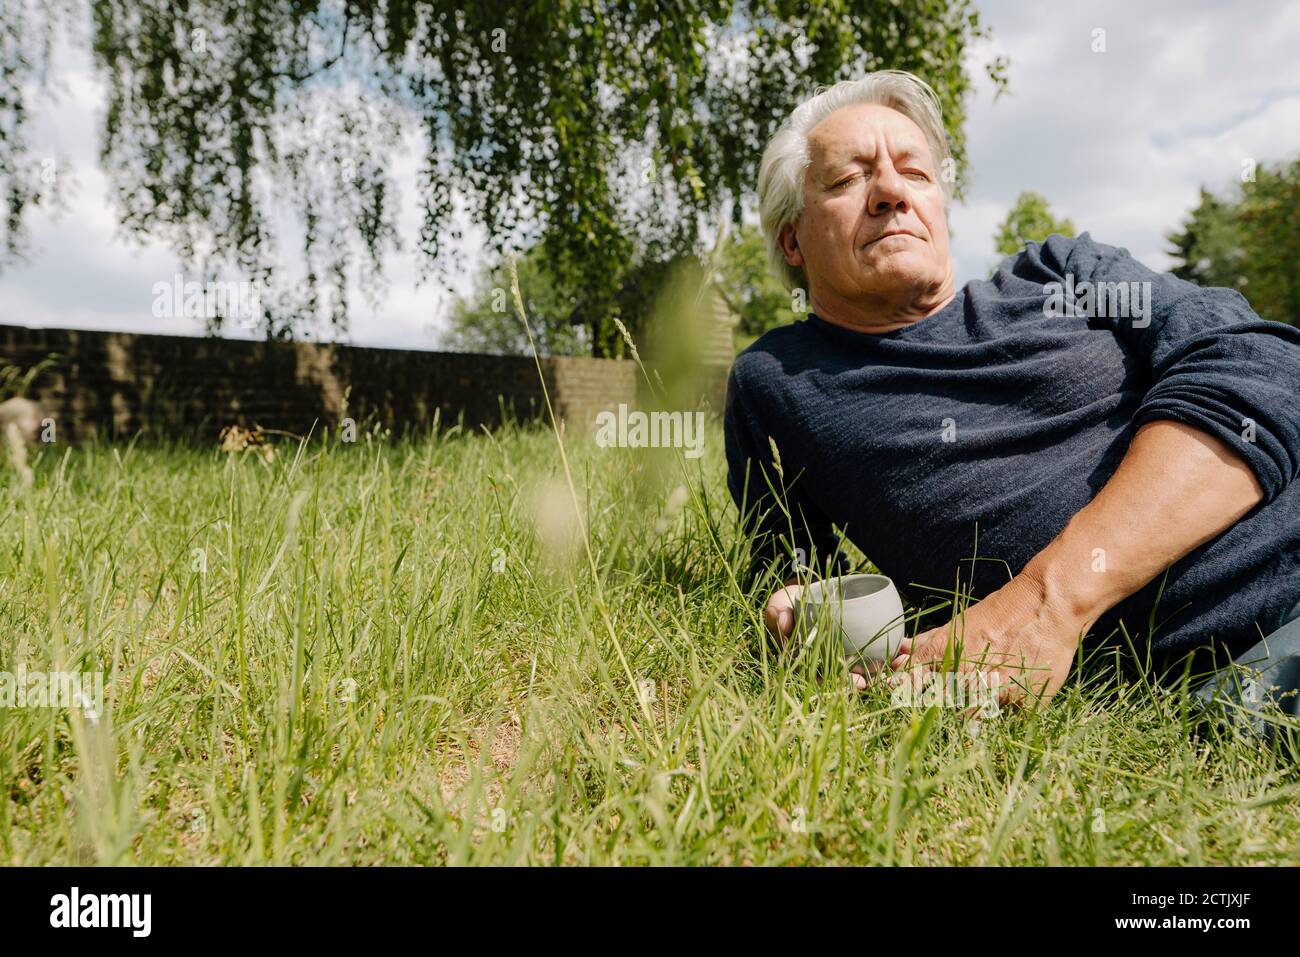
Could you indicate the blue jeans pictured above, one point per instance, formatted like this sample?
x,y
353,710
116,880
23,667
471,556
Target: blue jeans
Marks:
x,y
1263,680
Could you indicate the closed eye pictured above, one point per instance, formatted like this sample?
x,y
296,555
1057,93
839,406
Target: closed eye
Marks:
x,y
840,184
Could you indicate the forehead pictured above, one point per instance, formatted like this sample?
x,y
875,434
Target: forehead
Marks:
x,y
862,129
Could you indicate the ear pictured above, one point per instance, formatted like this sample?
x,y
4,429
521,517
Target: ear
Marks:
x,y
790,245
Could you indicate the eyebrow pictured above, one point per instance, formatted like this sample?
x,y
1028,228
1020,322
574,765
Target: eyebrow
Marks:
x,y
907,153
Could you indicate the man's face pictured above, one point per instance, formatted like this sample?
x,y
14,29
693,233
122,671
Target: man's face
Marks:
x,y
872,228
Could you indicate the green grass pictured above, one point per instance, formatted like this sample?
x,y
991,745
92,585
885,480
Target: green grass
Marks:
x,y
495,669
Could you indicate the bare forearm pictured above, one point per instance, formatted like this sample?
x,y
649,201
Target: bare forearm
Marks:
x,y
1175,489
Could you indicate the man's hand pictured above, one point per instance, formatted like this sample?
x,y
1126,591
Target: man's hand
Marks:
x,y
779,618
1022,643
779,613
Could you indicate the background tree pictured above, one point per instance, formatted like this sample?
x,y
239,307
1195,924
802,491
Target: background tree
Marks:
x,y
28,29
758,297
1030,220
601,130
1248,240
486,321
479,323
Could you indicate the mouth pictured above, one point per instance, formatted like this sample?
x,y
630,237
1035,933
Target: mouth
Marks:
x,y
893,232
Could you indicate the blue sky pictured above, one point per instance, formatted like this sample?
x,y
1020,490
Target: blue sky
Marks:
x,y
1120,141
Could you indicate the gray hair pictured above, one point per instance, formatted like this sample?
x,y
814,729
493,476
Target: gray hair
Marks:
x,y
786,158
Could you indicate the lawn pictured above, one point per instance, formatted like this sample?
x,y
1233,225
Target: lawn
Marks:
x,y
416,651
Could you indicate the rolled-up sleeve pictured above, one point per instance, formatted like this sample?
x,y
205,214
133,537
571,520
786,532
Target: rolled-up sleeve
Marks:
x,y
1214,363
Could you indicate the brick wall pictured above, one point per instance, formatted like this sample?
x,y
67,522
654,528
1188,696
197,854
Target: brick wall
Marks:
x,y
113,385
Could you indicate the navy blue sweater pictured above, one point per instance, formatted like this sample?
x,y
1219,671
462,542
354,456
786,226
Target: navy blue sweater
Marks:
x,y
979,431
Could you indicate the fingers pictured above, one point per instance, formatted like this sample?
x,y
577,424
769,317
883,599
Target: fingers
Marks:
x,y
905,658
866,669
865,666
862,671
779,613
780,621
923,648
977,691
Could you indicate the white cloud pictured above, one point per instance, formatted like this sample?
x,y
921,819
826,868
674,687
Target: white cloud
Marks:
x,y
1121,141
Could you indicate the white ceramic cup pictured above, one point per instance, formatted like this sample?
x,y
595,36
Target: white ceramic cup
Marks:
x,y
865,609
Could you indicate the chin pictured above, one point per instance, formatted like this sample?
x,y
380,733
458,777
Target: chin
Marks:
x,y
875,257
899,270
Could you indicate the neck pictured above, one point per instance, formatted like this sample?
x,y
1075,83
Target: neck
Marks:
x,y
879,314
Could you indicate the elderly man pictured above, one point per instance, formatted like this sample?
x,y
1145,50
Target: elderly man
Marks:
x,y
1082,455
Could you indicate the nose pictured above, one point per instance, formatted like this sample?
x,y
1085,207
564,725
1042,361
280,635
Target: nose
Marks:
x,y
888,191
